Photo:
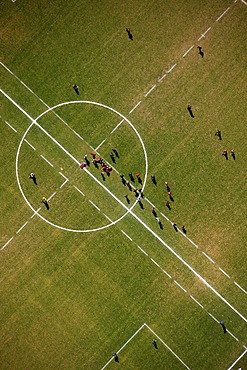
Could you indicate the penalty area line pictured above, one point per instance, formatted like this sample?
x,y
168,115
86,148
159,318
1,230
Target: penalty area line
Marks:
x,y
166,345
125,344
12,128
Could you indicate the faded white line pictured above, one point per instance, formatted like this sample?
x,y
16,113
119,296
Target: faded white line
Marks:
x,y
117,126
127,235
79,190
174,65
167,274
209,258
199,304
244,2
188,51
60,173
125,344
224,272
180,286
94,205
150,90
161,78
102,142
22,227
234,363
222,14
155,262
240,287
63,184
52,196
135,107
29,144
5,245
46,160
12,128
174,354
142,250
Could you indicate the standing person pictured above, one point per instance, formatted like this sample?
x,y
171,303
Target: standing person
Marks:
x,y
175,226
233,154
225,154
154,212
138,178
168,205
170,196
115,152
200,51
129,34
167,186
223,326
127,198
45,201
76,88
184,229
87,160
190,111
131,177
154,344
218,133
112,157
33,177
153,179
115,356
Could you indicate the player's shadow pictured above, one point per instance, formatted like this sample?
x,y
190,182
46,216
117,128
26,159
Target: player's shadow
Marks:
x,y
141,204
161,226
47,206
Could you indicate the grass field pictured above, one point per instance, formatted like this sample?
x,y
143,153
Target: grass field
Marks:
x,y
94,275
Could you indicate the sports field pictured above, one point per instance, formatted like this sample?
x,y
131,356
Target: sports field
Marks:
x,y
151,268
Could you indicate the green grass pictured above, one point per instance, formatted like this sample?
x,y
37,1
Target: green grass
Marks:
x,y
70,299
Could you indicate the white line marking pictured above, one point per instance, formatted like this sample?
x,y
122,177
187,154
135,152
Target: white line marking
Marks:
x,y
94,205
234,363
222,14
150,90
224,272
63,184
182,362
167,274
22,227
52,195
79,190
135,107
155,262
240,287
102,142
174,65
76,133
12,128
47,160
129,210
60,173
29,144
5,245
207,31
196,301
127,235
191,241
161,78
35,213
212,317
233,335
244,2
117,126
143,250
123,346
210,259
188,51
107,217
180,286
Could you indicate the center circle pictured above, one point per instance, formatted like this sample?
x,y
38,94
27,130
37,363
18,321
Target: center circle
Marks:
x,y
128,210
